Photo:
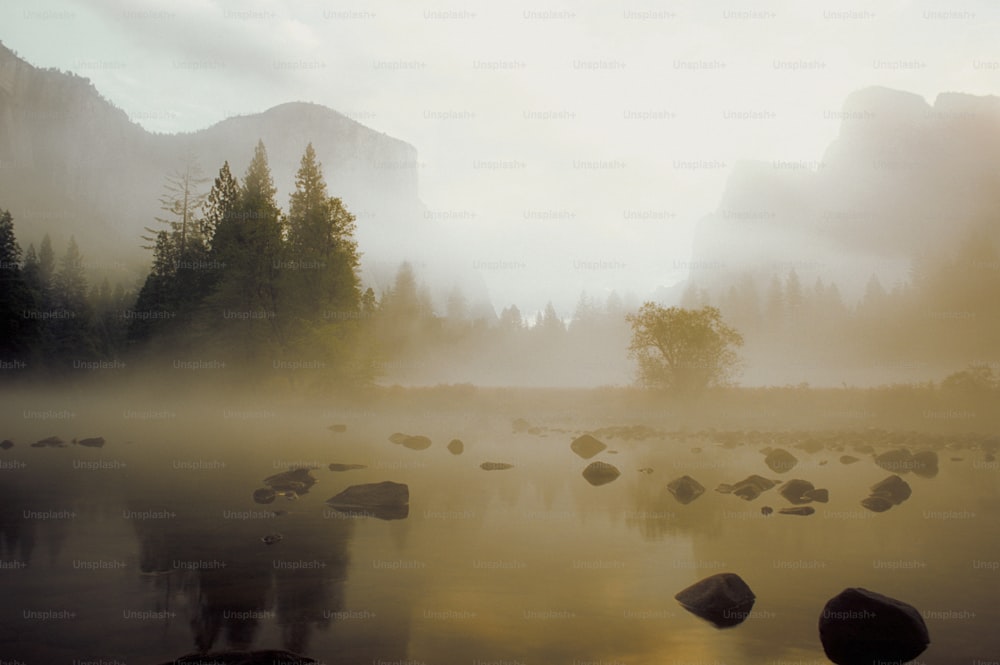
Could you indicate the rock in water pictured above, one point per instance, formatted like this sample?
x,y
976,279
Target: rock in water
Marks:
x,y
586,446
417,442
925,464
848,459
398,437
601,473
685,489
49,442
264,495
386,500
798,510
6,444
456,447
795,491
337,428
495,466
297,480
346,467
751,487
897,461
724,599
894,489
265,657
520,425
780,460
766,510
860,627
92,442
876,504
817,495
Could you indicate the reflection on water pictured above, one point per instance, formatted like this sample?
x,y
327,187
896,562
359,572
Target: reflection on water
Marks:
x,y
150,546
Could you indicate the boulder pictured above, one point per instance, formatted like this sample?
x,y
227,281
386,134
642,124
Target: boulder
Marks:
x,y
894,489
385,500
495,466
334,466
724,488
297,480
752,487
6,444
876,504
766,510
601,473
685,489
456,447
91,442
817,495
861,627
798,510
897,461
780,460
264,495
417,442
723,599
848,459
398,437
49,442
586,446
795,491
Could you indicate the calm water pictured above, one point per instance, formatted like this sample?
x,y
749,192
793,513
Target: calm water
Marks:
x,y
149,548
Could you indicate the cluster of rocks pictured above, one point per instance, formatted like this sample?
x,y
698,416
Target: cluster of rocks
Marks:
x,y
420,442
56,442
856,627
596,473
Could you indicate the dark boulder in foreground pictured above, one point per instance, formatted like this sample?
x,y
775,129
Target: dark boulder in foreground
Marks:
x,y
334,466
267,657
601,473
495,466
91,442
386,500
6,444
861,627
586,446
798,510
685,489
456,447
723,599
780,460
795,491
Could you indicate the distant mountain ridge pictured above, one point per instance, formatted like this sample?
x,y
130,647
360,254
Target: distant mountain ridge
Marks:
x,y
73,163
903,178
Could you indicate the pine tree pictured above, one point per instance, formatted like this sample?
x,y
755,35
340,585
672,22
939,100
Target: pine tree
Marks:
x,y
16,300
71,331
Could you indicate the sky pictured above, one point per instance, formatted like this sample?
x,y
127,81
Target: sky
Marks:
x,y
579,142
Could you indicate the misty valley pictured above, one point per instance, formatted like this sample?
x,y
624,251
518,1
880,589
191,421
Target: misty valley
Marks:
x,y
259,404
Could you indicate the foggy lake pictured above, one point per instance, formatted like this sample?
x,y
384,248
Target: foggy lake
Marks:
x,y
149,547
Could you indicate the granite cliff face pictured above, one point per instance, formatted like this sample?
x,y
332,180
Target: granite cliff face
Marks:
x,y
903,178
73,163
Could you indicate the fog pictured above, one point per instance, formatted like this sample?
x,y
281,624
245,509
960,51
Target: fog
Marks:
x,y
429,333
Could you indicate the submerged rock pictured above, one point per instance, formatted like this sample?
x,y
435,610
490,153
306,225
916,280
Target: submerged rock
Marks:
x,y
780,460
92,442
876,504
724,488
848,459
586,446
495,466
723,599
417,442
6,444
817,495
766,510
859,626
337,428
398,437
646,469
271,538
385,500
346,467
456,447
600,473
798,510
685,489
795,491
49,442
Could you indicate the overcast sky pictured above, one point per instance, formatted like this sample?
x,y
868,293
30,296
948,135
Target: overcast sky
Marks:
x,y
620,120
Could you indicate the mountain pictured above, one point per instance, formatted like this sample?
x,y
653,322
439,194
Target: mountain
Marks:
x,y
902,180
73,163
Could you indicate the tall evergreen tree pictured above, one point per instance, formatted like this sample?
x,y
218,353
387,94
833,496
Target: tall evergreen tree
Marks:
x,y
15,298
71,318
